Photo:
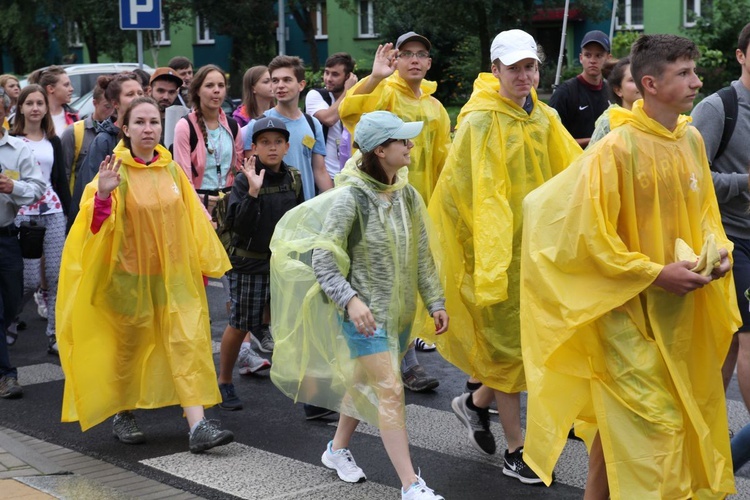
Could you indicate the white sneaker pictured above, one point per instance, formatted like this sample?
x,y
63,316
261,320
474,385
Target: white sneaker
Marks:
x,y
420,491
40,297
343,463
250,361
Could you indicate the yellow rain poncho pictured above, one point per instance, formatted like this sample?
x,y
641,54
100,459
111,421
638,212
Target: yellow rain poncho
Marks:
x,y
499,154
133,327
600,343
430,146
366,238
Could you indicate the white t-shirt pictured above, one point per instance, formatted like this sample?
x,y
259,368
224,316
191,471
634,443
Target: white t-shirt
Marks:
x,y
44,158
58,121
314,102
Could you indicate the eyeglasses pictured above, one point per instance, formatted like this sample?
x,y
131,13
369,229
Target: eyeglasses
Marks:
x,y
405,142
407,54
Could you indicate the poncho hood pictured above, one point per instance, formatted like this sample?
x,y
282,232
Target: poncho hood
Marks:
x,y
486,97
640,120
163,159
428,87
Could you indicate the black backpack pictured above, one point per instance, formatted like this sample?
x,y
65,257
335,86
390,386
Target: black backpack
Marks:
x,y
328,98
222,208
728,97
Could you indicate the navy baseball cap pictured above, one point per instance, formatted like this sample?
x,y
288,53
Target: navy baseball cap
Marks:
x,y
268,124
596,36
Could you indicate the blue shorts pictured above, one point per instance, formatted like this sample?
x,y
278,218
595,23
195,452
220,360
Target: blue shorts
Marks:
x,y
359,345
741,271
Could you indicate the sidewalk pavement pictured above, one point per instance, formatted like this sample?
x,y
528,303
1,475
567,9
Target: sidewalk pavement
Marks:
x,y
38,470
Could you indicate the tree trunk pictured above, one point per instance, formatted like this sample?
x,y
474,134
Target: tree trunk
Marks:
x,y
303,18
483,32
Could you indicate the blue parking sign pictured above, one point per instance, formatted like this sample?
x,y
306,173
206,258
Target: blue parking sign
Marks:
x,y
140,14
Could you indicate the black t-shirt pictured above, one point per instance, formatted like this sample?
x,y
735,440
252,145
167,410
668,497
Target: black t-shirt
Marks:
x,y
579,105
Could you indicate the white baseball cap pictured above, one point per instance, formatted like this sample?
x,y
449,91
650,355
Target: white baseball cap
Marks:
x,y
512,46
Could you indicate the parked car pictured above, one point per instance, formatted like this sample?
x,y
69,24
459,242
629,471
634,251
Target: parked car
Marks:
x,y
83,76
84,105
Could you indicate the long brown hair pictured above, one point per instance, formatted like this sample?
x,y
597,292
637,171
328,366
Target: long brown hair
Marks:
x,y
370,164
249,80
194,93
19,122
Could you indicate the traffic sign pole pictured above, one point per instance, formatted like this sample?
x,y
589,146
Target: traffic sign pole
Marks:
x,y
140,48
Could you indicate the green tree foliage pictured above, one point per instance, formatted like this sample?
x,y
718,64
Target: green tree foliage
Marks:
x,y
252,26
716,34
24,34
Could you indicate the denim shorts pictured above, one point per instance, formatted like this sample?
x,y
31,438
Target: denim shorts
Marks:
x,y
359,345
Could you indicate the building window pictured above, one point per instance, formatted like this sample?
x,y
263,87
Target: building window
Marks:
x,y
162,36
630,15
320,20
74,35
203,31
691,10
367,26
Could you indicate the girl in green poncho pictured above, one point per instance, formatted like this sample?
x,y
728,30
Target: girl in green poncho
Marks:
x,y
352,262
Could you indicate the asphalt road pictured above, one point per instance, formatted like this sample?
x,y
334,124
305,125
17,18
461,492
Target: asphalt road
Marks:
x,y
278,452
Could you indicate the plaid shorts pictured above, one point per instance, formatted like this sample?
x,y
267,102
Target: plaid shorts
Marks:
x,y
250,294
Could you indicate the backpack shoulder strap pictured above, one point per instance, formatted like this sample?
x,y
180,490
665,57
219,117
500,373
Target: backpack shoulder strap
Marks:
x,y
728,97
79,130
310,122
325,95
193,141
296,181
233,126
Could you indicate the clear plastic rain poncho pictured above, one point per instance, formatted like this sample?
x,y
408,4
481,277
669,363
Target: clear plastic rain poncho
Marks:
x,y
366,238
499,154
133,326
430,146
605,348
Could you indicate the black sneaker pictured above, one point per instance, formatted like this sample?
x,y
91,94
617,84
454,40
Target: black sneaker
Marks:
x,y
52,346
207,435
314,412
476,422
229,399
126,430
263,341
10,388
514,466
417,380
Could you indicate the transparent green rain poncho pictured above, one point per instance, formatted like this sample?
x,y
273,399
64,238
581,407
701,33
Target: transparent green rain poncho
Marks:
x,y
362,237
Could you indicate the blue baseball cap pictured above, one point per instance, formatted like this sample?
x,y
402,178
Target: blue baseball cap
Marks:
x,y
377,127
596,36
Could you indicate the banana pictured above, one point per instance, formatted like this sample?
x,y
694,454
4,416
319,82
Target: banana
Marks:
x,y
705,262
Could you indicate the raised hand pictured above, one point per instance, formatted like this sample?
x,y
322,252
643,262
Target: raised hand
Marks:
x,y
109,176
385,62
254,180
350,82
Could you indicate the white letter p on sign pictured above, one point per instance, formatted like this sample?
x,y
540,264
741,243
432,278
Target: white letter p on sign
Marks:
x,y
136,8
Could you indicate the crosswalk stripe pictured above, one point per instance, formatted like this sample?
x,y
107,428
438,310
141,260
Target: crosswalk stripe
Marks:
x,y
248,472
39,374
441,431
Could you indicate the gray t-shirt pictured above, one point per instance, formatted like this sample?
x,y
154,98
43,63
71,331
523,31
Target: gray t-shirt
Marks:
x,y
730,170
